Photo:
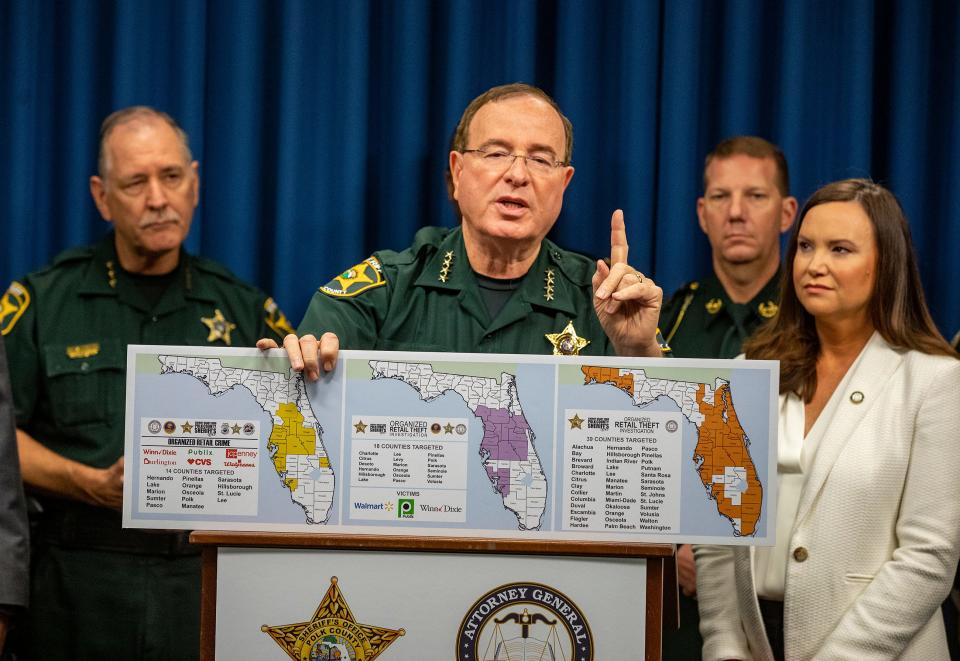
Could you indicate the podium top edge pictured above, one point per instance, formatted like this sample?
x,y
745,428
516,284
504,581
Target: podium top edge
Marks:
x,y
429,544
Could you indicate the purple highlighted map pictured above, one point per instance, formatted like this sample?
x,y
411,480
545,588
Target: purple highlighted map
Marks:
x,y
507,449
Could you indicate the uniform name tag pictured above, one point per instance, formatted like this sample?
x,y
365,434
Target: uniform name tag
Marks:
x,y
83,350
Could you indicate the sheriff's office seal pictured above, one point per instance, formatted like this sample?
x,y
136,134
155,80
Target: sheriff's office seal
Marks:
x,y
368,274
531,620
671,426
332,633
154,426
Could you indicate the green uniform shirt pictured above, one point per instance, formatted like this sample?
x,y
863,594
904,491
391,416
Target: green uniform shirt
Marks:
x,y
700,320
68,325
67,328
426,298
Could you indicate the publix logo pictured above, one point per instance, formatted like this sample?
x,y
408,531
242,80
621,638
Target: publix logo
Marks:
x,y
405,508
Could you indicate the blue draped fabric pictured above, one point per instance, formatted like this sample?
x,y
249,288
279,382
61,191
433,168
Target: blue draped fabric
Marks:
x,y
321,127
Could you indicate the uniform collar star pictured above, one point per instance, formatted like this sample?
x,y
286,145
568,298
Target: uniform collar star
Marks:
x,y
219,327
445,267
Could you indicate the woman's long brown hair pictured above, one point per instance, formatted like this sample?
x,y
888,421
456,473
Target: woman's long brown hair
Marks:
x,y
898,308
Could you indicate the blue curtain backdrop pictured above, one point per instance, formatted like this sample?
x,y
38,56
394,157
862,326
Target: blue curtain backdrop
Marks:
x,y
321,127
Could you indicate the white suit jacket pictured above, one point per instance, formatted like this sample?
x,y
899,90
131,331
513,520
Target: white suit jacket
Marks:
x,y
879,520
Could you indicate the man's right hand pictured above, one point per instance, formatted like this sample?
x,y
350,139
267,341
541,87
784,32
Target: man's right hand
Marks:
x,y
306,353
101,486
52,473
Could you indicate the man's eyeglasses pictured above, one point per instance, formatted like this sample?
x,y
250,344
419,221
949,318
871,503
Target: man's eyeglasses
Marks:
x,y
498,160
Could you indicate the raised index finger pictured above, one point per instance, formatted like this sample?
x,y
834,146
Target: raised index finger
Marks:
x,y
618,239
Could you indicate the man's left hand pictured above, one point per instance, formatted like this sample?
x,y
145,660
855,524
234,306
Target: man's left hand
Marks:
x,y
627,302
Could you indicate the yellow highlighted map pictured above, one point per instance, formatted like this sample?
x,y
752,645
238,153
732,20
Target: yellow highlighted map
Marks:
x,y
292,437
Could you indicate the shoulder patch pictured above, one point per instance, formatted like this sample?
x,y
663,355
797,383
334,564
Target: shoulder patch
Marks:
x,y
14,303
368,274
276,319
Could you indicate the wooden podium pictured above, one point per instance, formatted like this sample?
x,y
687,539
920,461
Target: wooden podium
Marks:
x,y
660,594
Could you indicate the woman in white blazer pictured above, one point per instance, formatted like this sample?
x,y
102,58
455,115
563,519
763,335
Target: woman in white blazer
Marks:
x,y
868,516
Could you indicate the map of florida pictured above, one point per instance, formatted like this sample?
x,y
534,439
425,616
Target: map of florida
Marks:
x,y
722,455
507,451
296,439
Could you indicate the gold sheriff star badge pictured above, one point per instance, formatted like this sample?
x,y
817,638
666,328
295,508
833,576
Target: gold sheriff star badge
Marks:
x,y
219,327
332,633
576,422
360,427
567,342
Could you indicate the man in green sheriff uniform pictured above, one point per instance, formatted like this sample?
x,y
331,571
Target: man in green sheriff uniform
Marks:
x,y
746,206
494,284
99,591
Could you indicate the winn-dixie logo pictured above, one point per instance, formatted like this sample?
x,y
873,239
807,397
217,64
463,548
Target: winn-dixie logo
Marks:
x,y
535,620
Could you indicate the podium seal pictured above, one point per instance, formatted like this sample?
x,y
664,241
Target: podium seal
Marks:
x,y
526,621
332,633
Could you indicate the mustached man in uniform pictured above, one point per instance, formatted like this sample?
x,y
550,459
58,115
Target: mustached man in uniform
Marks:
x,y
495,283
99,591
745,207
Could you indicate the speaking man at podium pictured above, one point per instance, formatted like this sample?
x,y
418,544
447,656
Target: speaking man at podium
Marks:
x,y
494,284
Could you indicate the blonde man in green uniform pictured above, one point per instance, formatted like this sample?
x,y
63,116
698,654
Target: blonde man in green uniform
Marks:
x,y
495,283
746,206
99,591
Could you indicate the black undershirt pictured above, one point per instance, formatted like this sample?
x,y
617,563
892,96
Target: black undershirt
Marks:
x,y
495,292
152,287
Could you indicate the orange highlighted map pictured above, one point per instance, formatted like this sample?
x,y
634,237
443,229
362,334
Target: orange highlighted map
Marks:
x,y
622,379
727,470
722,454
